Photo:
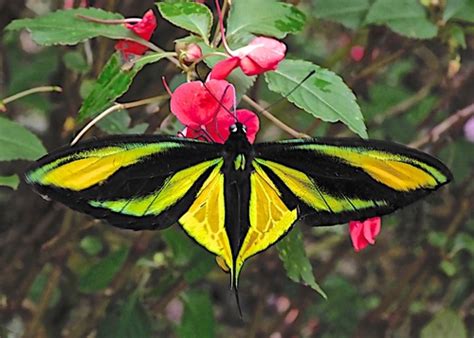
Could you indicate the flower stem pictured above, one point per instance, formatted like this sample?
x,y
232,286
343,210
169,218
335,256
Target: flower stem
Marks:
x,y
220,15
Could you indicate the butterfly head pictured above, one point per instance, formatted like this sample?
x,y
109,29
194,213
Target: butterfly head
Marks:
x,y
238,128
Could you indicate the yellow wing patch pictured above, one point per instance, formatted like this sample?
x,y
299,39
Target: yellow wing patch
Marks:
x,y
269,217
174,188
204,220
85,169
395,171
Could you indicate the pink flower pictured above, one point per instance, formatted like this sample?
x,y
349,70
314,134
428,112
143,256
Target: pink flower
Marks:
x,y
206,109
469,130
357,53
144,29
259,56
364,233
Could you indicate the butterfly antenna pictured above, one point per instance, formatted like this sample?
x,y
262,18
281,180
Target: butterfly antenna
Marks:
x,y
219,101
311,73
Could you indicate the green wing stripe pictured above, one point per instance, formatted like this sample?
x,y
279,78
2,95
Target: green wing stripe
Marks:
x,y
308,191
173,189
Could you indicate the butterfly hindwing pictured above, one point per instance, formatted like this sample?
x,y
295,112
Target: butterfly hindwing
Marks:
x,y
337,180
139,182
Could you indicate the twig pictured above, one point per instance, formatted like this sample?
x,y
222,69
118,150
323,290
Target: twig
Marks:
x,y
115,107
404,105
283,126
44,302
435,134
42,89
375,67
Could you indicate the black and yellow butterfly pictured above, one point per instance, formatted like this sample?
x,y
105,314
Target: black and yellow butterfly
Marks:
x,y
235,199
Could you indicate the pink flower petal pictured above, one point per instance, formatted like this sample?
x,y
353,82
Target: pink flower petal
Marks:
x,y
196,104
260,55
223,68
364,233
143,29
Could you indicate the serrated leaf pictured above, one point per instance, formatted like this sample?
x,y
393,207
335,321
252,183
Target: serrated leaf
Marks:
x,y
112,82
446,323
262,17
297,265
324,94
131,321
194,17
349,13
98,276
66,28
198,317
405,17
18,143
11,181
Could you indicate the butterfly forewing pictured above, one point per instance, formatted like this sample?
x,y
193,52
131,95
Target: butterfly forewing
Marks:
x,y
140,182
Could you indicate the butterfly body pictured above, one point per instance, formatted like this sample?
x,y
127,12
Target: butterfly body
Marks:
x,y
235,199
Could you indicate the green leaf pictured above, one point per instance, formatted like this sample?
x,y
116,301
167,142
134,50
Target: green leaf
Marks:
x,y
459,9
18,143
131,321
324,94
194,17
297,265
445,323
262,17
448,267
202,263
112,82
64,27
98,276
463,241
198,317
405,17
11,181
350,13
76,62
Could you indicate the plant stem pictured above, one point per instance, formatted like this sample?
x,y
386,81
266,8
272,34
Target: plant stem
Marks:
x,y
283,126
115,107
42,89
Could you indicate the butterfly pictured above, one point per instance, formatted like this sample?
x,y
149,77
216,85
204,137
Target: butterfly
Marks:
x,y
235,199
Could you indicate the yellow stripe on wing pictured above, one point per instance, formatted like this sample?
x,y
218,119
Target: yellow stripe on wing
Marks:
x,y
205,219
396,171
85,169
